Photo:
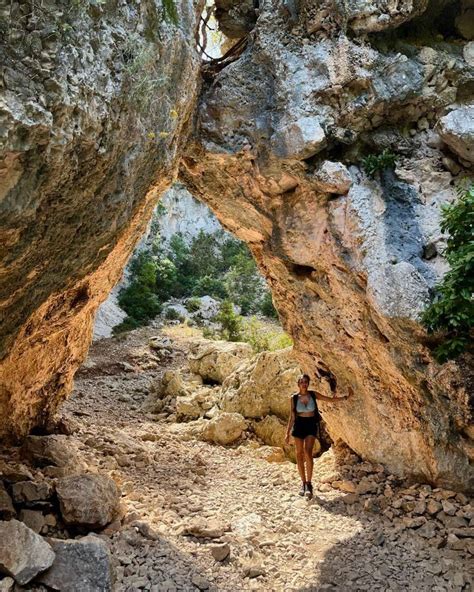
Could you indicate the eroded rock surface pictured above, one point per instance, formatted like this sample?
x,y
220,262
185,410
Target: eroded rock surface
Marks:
x,y
94,121
351,265
95,101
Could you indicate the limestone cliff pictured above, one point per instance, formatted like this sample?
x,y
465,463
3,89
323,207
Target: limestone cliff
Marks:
x,y
95,99
351,260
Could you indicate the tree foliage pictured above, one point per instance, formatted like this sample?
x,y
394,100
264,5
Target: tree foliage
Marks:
x,y
211,265
451,314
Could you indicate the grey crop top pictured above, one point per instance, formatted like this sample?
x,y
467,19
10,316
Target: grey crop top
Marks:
x,y
301,408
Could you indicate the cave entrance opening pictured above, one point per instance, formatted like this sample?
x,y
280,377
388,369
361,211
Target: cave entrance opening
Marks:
x,y
190,309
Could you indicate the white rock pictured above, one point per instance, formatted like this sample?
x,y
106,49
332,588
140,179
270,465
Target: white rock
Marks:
x,y
457,130
215,360
468,53
332,177
224,428
299,139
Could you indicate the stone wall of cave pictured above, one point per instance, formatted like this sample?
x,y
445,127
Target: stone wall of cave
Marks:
x,y
95,123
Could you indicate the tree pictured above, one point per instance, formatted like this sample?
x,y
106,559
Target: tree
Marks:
x,y
451,313
231,323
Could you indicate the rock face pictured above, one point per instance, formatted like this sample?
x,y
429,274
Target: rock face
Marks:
x,y
350,273
261,385
88,500
315,83
185,215
94,111
23,553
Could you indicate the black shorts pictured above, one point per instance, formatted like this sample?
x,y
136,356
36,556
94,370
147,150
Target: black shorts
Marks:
x,y
304,427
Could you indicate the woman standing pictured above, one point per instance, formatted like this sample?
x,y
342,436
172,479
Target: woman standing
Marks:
x,y
303,425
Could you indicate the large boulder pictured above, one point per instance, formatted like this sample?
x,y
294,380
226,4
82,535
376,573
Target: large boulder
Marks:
x,y
82,565
332,177
164,389
224,428
90,501
262,385
23,553
215,360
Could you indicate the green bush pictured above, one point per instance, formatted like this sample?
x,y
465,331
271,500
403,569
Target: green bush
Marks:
x,y
230,322
243,283
377,162
253,334
171,314
261,338
128,324
281,341
210,286
193,304
209,333
451,314
139,299
267,308
139,302
167,278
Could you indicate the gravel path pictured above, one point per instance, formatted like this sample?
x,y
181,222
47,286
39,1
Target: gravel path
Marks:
x,y
205,517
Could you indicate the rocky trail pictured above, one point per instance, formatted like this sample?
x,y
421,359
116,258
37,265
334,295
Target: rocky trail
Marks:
x,y
199,516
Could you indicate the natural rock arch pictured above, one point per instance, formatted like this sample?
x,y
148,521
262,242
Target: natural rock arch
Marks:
x,y
272,129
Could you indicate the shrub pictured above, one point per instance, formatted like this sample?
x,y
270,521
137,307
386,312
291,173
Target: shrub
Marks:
x,y
230,322
169,11
204,255
209,333
267,308
451,314
281,341
377,162
255,336
210,286
139,302
166,278
193,304
171,314
243,283
261,338
128,324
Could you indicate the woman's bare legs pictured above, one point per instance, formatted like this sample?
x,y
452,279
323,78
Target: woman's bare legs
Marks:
x,y
308,455
300,444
